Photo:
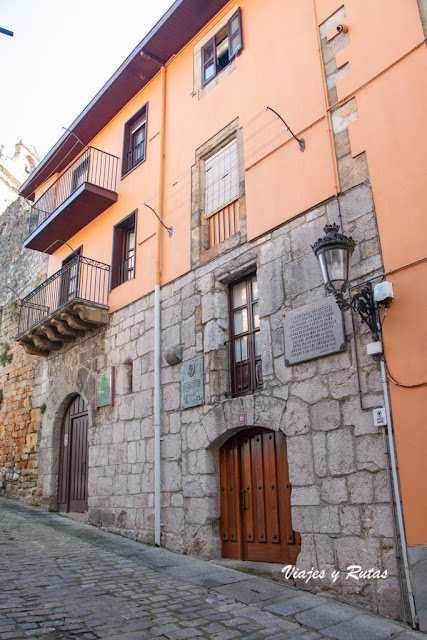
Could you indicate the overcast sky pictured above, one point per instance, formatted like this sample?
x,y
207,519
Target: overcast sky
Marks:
x,y
61,54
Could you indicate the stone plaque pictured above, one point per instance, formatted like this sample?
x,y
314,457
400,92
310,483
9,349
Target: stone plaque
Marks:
x,y
313,331
104,390
192,383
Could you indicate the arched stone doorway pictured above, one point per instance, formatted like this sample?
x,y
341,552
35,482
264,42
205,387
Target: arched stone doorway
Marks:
x,y
73,459
255,498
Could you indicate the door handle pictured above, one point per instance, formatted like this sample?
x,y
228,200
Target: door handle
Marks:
x,y
83,468
243,505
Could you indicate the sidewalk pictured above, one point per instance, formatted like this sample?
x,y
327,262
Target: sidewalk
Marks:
x,y
64,580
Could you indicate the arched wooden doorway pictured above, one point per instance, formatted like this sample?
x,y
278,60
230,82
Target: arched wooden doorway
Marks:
x,y
255,499
72,486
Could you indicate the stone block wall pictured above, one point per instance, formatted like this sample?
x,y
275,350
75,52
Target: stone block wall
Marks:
x,y
21,270
19,421
340,497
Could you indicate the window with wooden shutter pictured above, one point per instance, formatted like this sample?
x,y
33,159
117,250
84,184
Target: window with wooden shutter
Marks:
x,y
244,344
134,141
221,179
222,48
124,244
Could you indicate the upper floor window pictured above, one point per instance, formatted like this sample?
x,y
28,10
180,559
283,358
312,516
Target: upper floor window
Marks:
x,y
123,259
221,178
244,343
70,274
134,143
222,48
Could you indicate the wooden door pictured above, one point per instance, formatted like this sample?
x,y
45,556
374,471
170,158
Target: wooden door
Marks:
x,y
255,499
69,280
72,486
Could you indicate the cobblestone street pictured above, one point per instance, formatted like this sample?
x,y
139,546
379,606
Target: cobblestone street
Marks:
x,y
62,580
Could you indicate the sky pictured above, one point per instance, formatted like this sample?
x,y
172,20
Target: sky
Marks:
x,y
61,54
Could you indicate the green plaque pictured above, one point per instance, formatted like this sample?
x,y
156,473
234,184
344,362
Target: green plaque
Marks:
x,y
105,388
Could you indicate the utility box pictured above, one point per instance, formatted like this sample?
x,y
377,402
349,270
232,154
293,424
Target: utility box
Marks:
x,y
383,292
380,417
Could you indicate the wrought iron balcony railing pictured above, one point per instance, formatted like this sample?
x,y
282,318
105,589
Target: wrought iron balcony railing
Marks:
x,y
93,166
81,279
126,270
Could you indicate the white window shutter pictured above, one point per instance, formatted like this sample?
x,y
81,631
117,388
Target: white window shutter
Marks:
x,y
221,179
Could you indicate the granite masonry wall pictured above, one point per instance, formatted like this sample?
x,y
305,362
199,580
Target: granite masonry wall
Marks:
x,y
21,270
340,496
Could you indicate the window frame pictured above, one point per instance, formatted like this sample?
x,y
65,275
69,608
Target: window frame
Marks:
x,y
253,362
234,195
70,278
132,126
212,42
120,250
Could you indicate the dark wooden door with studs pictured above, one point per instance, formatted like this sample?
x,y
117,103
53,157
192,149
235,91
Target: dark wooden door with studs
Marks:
x,y
255,499
72,486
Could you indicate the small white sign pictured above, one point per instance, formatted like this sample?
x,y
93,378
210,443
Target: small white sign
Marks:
x,y
380,417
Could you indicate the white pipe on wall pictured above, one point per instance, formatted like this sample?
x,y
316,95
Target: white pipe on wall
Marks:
x,y
157,328
397,497
157,420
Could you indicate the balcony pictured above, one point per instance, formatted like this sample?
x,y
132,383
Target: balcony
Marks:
x,y
80,194
73,301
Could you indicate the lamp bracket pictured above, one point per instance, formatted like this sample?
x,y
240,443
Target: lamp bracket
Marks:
x,y
363,303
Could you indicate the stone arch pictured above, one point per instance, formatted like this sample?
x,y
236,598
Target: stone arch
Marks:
x,y
255,492
50,445
31,163
225,420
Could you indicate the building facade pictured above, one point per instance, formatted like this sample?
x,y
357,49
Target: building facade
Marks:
x,y
14,170
201,393
20,374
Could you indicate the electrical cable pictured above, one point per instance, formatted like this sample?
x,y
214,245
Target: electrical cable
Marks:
x,y
400,384
390,376
173,182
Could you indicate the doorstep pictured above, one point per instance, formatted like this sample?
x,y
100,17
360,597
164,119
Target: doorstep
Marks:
x,y
269,570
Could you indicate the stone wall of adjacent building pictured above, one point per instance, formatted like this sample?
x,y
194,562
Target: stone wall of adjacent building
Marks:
x,y
14,170
21,270
337,465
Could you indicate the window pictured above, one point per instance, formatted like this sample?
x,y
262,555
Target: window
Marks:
x,y
70,276
244,343
124,244
218,205
134,144
222,48
221,178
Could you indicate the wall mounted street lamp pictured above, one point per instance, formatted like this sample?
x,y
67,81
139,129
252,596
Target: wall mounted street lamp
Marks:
x,y
334,252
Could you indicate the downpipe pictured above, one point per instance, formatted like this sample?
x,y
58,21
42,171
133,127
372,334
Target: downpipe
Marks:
x,y
157,420
157,330
397,497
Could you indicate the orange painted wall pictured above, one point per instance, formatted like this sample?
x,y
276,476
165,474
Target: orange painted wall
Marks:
x,y
392,129
237,96
285,72
405,333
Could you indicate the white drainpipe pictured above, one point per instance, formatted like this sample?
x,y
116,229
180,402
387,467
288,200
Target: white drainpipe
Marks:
x,y
157,330
397,494
157,420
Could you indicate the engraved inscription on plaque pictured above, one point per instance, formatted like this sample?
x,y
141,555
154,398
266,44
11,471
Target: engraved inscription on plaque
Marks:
x,y
313,331
192,383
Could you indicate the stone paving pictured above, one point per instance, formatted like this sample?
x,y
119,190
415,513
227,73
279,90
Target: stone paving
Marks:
x,y
63,580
